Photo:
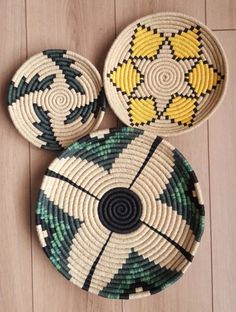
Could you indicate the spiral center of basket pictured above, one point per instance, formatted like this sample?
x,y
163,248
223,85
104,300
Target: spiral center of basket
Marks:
x,y
164,77
120,210
59,100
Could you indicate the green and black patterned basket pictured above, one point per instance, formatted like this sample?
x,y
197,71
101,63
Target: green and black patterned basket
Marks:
x,y
120,213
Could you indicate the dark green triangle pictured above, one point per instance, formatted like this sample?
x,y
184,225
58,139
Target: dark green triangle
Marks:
x,y
45,126
179,195
138,272
24,87
64,63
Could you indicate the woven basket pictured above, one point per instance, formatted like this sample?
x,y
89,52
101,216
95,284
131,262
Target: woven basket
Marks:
x,y
120,213
55,98
165,72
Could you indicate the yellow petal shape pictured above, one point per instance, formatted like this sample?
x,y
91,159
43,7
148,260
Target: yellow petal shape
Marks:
x,y
146,42
125,77
203,78
142,111
186,44
181,110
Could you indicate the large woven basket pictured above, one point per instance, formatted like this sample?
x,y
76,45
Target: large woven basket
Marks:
x,y
165,72
120,213
56,97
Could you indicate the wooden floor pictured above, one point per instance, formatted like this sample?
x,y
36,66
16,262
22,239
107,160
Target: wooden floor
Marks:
x,y
28,282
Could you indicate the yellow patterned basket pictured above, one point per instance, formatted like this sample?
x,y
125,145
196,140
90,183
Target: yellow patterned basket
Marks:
x,y
166,72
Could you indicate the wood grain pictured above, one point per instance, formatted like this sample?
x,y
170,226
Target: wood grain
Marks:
x,y
28,282
15,237
221,14
128,11
223,184
195,147
80,26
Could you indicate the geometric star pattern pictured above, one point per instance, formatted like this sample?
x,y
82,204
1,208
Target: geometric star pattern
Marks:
x,y
164,76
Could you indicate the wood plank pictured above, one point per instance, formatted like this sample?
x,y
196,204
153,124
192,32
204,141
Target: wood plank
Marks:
x,y
15,238
128,11
193,292
80,26
221,14
223,182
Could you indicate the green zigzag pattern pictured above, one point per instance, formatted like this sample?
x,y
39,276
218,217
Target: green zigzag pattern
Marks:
x,y
103,151
179,195
138,272
61,229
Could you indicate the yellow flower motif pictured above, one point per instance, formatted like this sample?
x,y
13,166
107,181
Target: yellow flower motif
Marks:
x,y
186,44
146,42
181,110
126,77
203,78
142,110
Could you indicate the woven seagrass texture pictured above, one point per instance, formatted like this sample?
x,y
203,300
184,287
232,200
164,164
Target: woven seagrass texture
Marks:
x,y
120,213
56,97
165,72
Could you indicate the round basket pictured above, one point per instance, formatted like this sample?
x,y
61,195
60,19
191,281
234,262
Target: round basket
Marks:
x,y
166,73
120,213
56,97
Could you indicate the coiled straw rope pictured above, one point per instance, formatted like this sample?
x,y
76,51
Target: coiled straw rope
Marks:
x,y
165,72
56,97
120,213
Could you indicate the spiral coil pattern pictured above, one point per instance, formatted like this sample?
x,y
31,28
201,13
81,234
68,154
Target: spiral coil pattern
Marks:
x,y
119,210
166,73
120,213
55,98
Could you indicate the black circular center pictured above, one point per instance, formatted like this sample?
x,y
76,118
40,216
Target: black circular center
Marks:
x,y
120,210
